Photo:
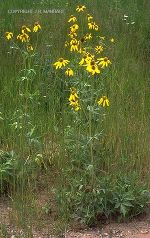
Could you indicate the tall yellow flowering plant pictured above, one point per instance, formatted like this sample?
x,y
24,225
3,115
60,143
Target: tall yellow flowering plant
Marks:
x,y
85,66
24,43
84,69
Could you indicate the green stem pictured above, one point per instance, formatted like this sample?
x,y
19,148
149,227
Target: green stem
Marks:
x,y
90,136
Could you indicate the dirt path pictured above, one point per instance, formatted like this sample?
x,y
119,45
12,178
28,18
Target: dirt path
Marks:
x,y
113,231
136,229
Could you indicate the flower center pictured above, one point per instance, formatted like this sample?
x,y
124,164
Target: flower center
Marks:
x,y
92,62
82,39
93,67
105,59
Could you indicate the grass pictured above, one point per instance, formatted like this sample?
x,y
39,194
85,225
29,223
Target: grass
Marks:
x,y
126,127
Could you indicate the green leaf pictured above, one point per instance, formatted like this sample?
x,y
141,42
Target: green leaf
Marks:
x,y
123,210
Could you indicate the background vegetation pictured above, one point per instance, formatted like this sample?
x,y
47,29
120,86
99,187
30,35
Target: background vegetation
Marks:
x,y
33,134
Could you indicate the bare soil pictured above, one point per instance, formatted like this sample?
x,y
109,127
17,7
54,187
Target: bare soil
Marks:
x,y
138,228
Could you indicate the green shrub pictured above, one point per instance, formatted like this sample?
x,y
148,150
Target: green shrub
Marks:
x,y
117,198
16,172
7,166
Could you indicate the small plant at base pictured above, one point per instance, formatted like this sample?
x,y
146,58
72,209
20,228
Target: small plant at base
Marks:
x,y
7,167
119,198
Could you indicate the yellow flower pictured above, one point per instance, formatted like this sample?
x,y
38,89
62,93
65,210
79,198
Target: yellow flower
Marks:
x,y
103,101
73,96
93,68
93,26
77,107
24,37
80,8
104,62
74,45
74,27
69,72
66,43
99,49
36,27
72,18
88,36
29,48
112,40
87,58
72,34
74,99
25,28
89,17
60,63
8,35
